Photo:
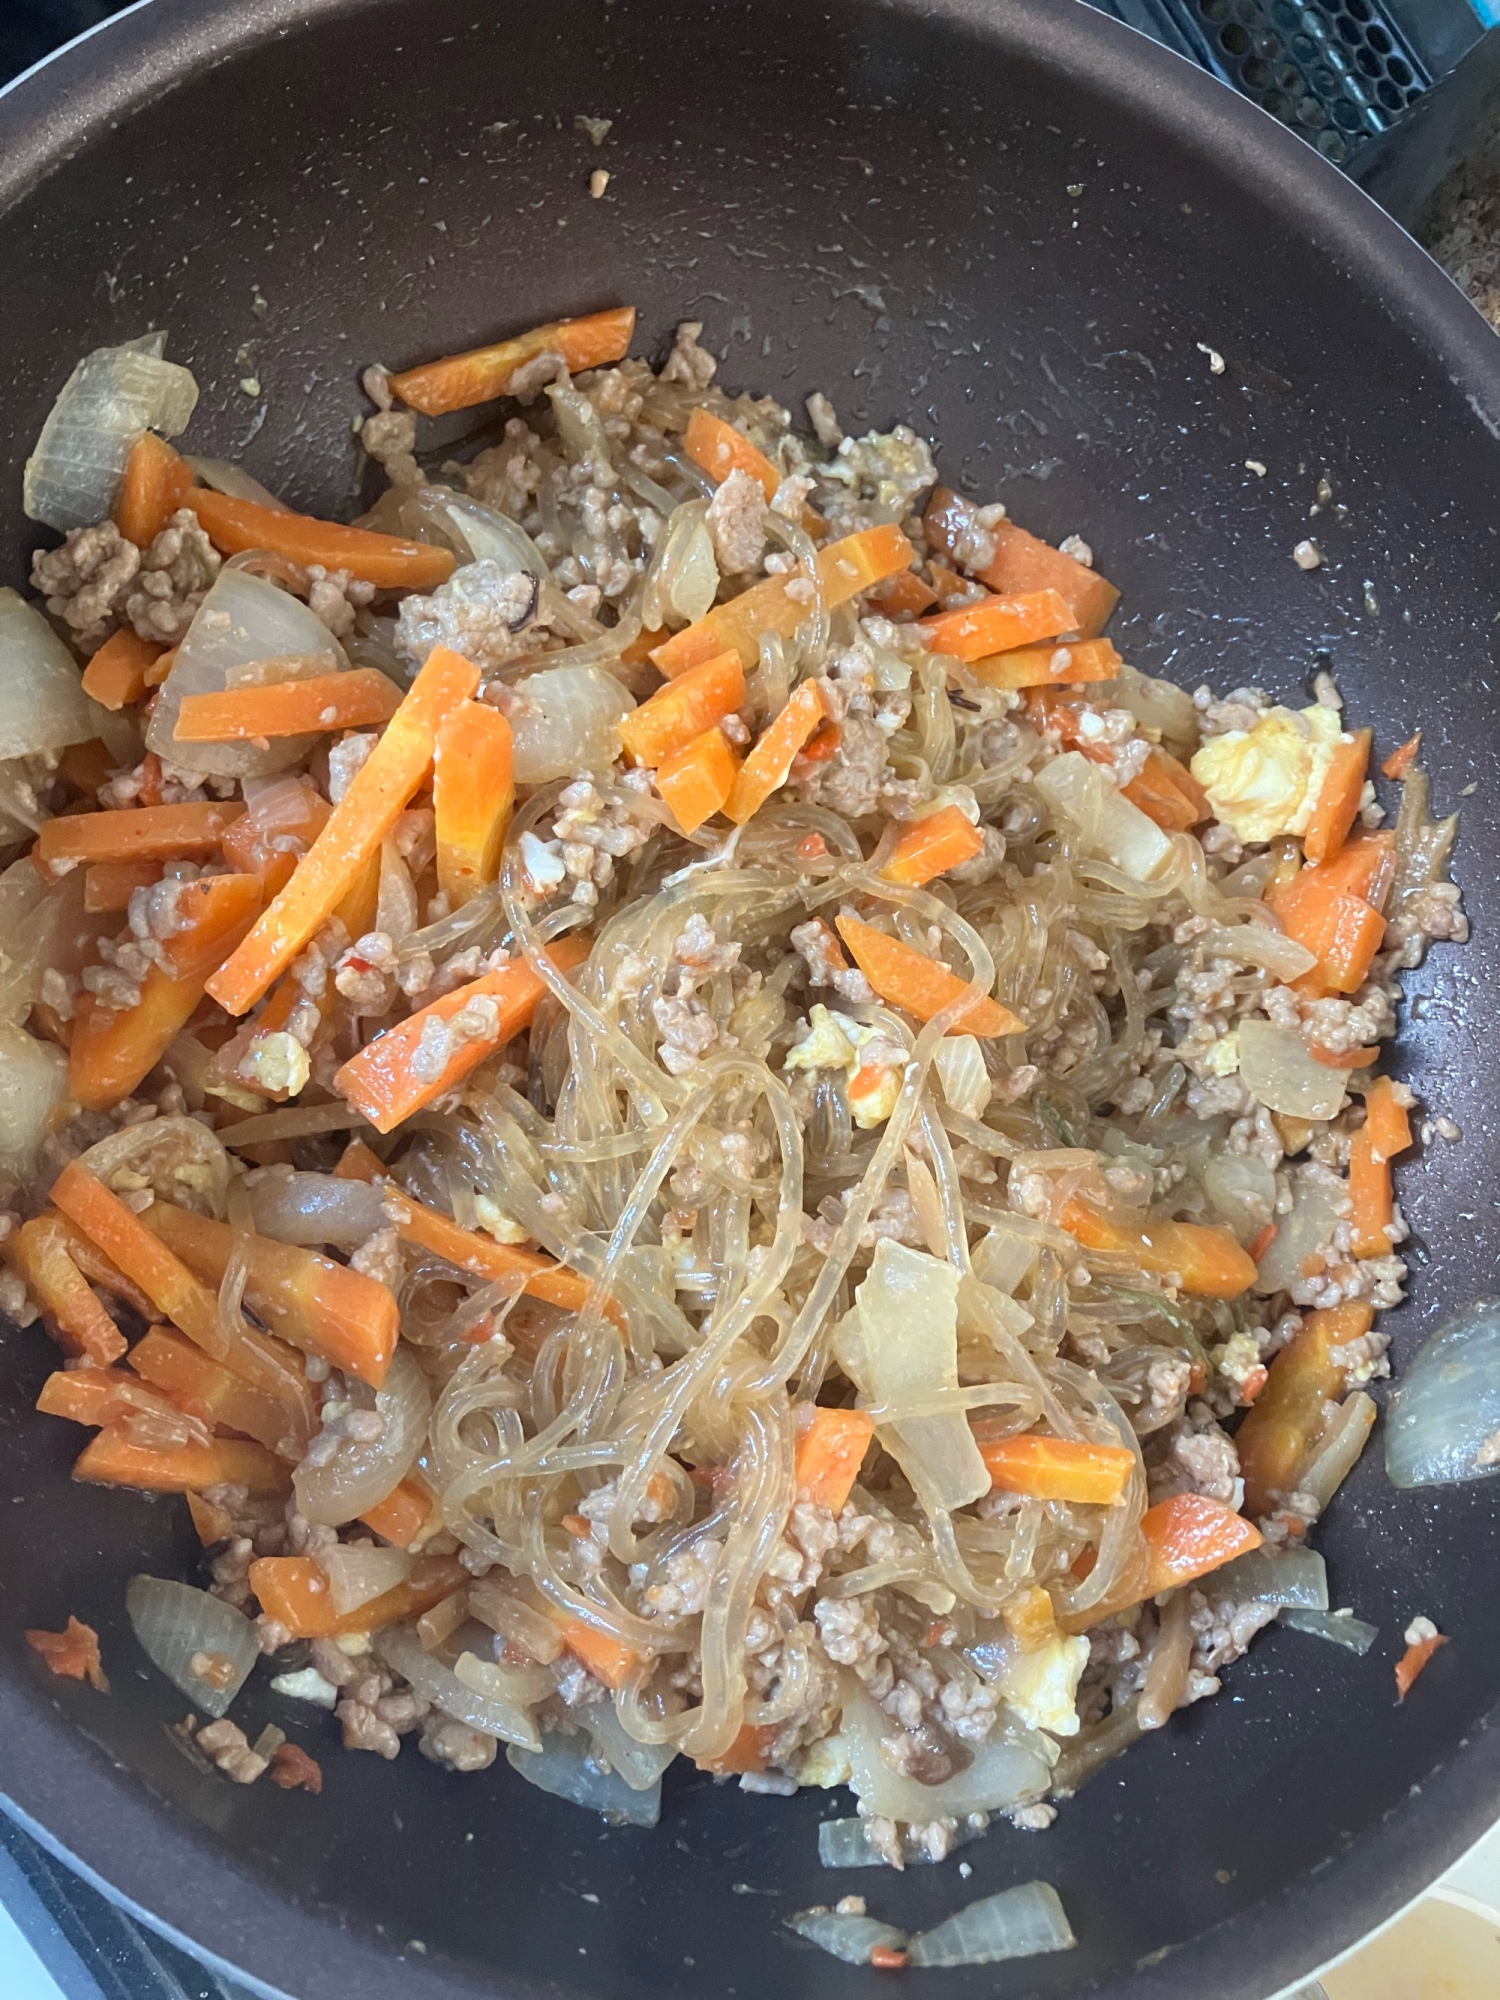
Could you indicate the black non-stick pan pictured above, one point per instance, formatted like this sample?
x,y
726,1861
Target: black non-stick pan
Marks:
x,y
1019,227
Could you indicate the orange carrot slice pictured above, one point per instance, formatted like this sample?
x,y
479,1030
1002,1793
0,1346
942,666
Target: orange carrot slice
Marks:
x,y
112,1460
137,833
72,1653
144,1259
156,483
459,381
1371,1200
204,1389
1386,1121
1397,765
109,885
1168,793
998,623
1209,1261
99,1396
473,792
295,1592
1410,1664
1066,665
930,847
1338,798
1283,1424
1190,1535
379,794
75,1318
683,709
116,675
904,595
608,1660
1052,1468
404,1513
387,1084
352,700
697,780
720,449
1022,563
768,765
910,979
384,560
830,1453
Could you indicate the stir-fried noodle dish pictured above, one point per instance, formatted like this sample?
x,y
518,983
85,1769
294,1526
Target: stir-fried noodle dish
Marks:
x,y
692,1120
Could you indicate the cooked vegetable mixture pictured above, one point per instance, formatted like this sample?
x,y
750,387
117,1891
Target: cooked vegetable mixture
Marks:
x,y
690,1118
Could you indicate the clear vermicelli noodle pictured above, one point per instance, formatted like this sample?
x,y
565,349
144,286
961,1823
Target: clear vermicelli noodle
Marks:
x,y
783,1167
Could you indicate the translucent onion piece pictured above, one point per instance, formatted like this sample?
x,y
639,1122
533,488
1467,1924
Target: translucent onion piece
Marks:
x,y
1007,1771
487,534
851,1938
1340,1628
182,1160
498,1600
640,1764
695,584
310,1209
1110,825
115,393
33,1082
42,702
1308,1228
1258,944
567,721
1339,1448
902,1342
846,1843
565,1766
359,1476
1281,1070
174,1622
359,1576
402,1650
520,1686
1003,1257
224,476
1017,1923
1242,1189
1299,1577
1158,705
265,623
959,1063
1444,1418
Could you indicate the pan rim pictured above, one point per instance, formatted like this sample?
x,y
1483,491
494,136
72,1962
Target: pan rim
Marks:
x,y
62,1786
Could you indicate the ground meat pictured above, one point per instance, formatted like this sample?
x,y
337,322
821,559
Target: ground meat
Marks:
x,y
826,965
1240,710
390,438
826,426
1421,916
334,596
688,1575
229,1748
478,1020
737,522
506,476
850,782
849,1631
380,1257
480,612
687,1027
1222,1632
689,363
85,582
173,579
455,1745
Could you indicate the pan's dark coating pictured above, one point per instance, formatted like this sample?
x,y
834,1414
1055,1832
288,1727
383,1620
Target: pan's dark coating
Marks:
x,y
1011,227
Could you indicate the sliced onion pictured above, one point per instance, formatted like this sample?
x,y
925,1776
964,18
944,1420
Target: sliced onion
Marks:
x,y
582,431
694,583
1242,1189
33,1082
506,1720
359,1476
313,1209
564,1766
846,1843
567,721
42,702
1008,1769
359,1576
500,1602
519,1685
1444,1419
1306,1232
901,1341
1003,1257
265,623
853,1939
665,572
184,1162
1258,944
966,1083
1339,1448
1158,705
640,1764
1017,1923
115,393
1110,825
173,1621
1299,1576
224,476
1339,1628
1281,1071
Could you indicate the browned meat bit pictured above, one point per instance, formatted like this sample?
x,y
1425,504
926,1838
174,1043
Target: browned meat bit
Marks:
x,y
737,522
455,1744
174,577
229,1748
294,1770
85,582
689,363
334,596
73,1653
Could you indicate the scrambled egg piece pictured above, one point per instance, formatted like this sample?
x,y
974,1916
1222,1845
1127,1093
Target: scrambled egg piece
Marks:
x,y
1223,1059
1265,781
494,1221
1042,1686
277,1062
833,1041
825,1763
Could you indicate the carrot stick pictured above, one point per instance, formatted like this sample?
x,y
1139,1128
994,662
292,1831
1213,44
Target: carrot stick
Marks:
x,y
1065,665
769,762
109,885
102,1273
251,845
1022,564
930,847
473,791
155,485
112,1460
697,780
1397,765
1283,1424
72,1653
1168,793
1052,1468
75,1318
1338,798
608,1660
203,1389
114,1048
384,560
1333,908
136,833
99,1396
116,676
160,667
295,1592
1189,1535
351,700
379,794
1386,1121
830,1453
459,381
317,1305
1372,1205
405,1512
997,624
904,595
211,1523
747,1752
123,1237
680,711
720,449
1207,1260
1410,1664
910,979
387,1081
781,603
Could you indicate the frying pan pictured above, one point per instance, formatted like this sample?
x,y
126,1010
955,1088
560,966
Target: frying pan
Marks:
x,y
1018,226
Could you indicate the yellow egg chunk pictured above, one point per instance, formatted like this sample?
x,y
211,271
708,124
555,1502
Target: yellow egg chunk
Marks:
x,y
1264,782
